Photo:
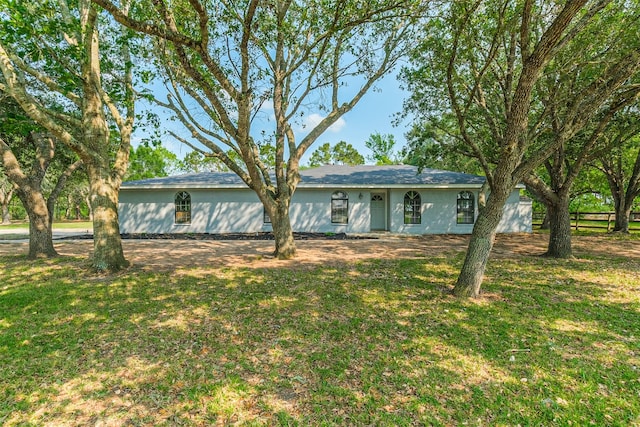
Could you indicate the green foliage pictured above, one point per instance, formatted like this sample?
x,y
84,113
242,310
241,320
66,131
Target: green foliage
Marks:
x,y
346,154
465,69
150,161
382,149
342,153
426,149
196,162
321,155
18,132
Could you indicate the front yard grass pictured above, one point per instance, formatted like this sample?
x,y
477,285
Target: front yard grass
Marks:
x,y
551,342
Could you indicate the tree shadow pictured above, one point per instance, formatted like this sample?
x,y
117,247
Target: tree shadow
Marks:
x,y
371,342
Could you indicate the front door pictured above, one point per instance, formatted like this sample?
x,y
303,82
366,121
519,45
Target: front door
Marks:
x,y
378,211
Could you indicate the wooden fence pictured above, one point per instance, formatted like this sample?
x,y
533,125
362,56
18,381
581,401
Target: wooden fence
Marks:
x,y
593,220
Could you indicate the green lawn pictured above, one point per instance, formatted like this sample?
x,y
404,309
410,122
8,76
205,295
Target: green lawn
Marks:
x,y
373,343
595,226
20,230
56,225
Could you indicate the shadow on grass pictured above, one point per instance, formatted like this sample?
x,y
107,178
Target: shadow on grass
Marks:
x,y
367,343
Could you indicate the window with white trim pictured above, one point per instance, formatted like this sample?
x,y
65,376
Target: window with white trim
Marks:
x,y
339,207
412,208
466,208
182,203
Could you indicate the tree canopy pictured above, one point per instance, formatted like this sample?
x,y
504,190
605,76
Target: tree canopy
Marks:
x,y
341,153
483,84
70,68
234,62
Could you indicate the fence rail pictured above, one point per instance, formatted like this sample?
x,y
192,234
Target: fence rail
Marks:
x,y
594,220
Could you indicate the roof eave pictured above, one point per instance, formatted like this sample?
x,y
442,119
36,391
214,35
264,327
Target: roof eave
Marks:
x,y
300,186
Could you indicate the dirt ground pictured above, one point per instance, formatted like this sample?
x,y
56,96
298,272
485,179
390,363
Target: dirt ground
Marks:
x,y
168,255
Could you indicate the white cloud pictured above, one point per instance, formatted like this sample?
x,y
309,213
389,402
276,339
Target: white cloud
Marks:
x,y
314,120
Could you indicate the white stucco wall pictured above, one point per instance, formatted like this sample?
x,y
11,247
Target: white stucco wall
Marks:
x,y
311,211
239,210
222,211
517,215
439,208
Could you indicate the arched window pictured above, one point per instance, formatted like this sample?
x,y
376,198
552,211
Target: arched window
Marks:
x,y
466,208
183,207
412,208
339,207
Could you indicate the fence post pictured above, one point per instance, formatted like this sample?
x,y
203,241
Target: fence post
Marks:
x,y
577,216
609,222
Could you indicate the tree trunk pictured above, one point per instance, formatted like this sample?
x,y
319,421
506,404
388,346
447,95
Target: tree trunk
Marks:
x,y
88,202
559,228
40,234
6,214
623,205
107,244
67,208
545,221
480,245
62,180
623,213
282,231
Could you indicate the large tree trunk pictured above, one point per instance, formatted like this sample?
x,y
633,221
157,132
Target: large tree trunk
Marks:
x,y
6,214
104,177
107,244
623,208
559,228
29,191
282,231
40,234
623,214
480,245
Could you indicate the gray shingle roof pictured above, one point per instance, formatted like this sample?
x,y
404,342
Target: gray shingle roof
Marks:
x,y
364,176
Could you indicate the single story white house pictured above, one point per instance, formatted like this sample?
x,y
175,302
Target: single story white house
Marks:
x,y
329,199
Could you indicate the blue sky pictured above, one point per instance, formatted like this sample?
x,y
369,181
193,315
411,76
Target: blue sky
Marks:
x,y
374,113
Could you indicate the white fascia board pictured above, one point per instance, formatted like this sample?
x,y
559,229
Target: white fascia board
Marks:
x,y
304,186
188,186
389,186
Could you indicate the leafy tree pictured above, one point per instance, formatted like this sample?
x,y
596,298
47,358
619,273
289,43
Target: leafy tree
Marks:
x,y
150,161
20,138
621,166
429,146
196,162
571,78
480,67
29,186
71,71
342,153
346,154
321,156
229,59
382,147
